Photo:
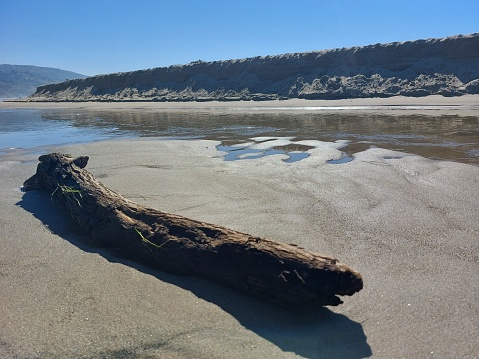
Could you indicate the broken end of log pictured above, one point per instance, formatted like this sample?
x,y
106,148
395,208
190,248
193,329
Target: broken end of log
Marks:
x,y
37,180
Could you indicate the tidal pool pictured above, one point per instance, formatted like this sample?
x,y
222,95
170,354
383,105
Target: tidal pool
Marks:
x,y
437,136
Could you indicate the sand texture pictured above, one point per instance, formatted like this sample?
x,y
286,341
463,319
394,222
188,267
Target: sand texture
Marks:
x,y
409,225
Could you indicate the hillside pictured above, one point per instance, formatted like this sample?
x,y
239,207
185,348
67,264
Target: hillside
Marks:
x,y
448,67
23,80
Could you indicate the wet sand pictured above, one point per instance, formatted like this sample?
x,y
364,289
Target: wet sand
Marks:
x,y
407,224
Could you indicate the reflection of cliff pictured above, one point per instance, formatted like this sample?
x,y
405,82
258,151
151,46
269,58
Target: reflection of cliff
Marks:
x,y
448,137
447,66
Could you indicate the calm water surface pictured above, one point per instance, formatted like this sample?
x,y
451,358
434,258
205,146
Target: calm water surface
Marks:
x,y
450,137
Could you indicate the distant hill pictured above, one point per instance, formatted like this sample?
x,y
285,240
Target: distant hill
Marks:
x,y
23,80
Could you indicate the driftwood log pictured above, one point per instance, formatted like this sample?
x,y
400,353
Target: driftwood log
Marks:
x,y
281,273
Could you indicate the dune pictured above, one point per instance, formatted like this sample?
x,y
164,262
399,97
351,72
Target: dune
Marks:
x,y
447,67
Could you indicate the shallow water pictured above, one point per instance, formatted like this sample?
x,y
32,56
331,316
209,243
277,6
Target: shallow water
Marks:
x,y
22,128
449,137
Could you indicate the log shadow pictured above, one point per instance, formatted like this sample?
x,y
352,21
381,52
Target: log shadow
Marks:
x,y
315,334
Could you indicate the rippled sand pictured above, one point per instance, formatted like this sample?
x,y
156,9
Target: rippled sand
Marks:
x,y
408,224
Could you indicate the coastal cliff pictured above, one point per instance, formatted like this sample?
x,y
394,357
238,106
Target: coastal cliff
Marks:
x,y
448,67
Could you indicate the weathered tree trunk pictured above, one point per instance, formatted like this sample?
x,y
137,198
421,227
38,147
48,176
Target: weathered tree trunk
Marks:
x,y
280,273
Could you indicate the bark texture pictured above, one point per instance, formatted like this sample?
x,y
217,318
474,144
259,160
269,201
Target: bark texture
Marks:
x,y
280,273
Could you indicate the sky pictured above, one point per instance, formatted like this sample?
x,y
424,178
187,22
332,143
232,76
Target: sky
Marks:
x,y
107,36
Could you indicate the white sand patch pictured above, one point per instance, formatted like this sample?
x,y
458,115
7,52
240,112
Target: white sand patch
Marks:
x,y
278,142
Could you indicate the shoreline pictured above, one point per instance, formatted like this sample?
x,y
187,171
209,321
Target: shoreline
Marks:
x,y
431,106
427,103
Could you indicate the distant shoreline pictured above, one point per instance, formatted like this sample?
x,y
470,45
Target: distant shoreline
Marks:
x,y
426,103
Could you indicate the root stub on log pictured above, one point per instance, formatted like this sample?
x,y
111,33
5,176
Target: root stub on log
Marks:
x,y
277,272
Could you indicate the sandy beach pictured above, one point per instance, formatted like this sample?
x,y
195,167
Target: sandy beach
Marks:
x,y
433,102
408,224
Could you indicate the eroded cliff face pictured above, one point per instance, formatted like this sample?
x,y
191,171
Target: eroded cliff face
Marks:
x,y
448,67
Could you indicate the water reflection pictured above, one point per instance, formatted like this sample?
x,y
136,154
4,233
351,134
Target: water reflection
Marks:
x,y
245,152
339,161
450,137
22,128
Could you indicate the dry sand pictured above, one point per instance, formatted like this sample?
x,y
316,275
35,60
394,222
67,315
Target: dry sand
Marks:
x,y
433,102
408,224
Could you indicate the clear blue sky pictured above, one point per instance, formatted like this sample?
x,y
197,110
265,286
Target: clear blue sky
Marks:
x,y
105,36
